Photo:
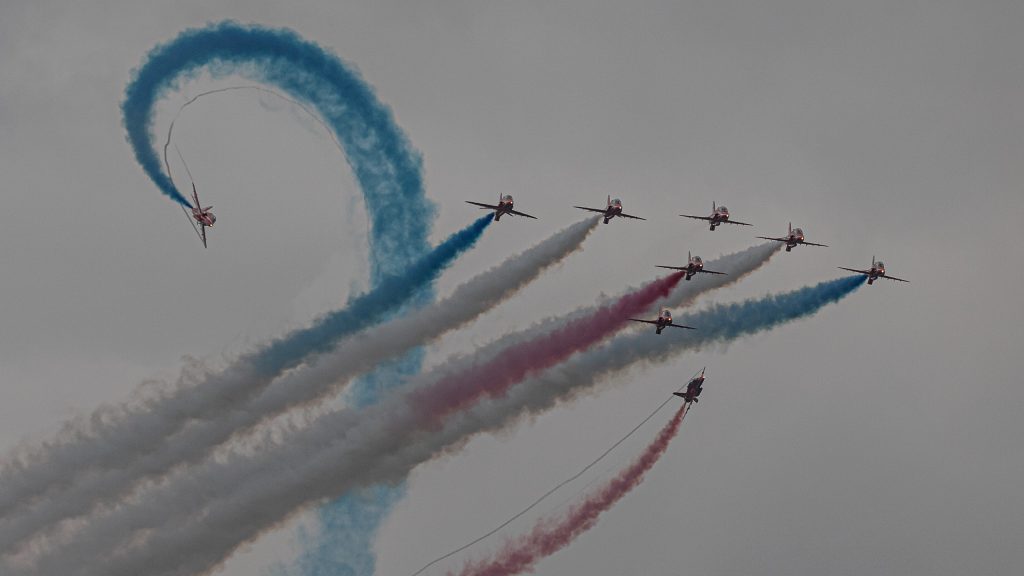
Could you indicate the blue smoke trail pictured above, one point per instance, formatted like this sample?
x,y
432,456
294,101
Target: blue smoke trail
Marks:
x,y
385,165
370,308
344,547
721,322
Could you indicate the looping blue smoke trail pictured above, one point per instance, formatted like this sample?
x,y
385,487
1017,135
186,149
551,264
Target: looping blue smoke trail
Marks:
x,y
386,166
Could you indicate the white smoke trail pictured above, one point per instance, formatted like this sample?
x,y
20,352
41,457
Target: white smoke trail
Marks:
x,y
193,522
114,437
312,383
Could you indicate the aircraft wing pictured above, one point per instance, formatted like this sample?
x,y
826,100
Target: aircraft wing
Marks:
x,y
681,326
644,321
202,234
894,278
631,216
775,239
684,268
482,205
521,214
864,272
736,222
712,272
806,243
708,218
590,209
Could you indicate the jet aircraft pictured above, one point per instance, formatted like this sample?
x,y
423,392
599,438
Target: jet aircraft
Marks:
x,y
794,238
203,216
613,209
719,215
694,266
664,321
693,389
876,271
504,206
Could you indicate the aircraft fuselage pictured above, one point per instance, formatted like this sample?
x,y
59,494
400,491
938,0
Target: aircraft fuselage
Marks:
x,y
204,217
611,212
693,390
693,268
717,218
875,273
503,208
793,241
664,321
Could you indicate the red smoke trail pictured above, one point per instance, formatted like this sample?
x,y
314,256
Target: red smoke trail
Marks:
x,y
495,376
551,535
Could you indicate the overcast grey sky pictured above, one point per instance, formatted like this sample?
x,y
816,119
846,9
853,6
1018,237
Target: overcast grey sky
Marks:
x,y
882,436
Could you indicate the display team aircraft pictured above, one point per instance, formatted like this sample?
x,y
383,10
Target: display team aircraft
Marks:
x,y
719,215
794,238
876,271
203,216
664,321
504,206
613,209
694,266
693,388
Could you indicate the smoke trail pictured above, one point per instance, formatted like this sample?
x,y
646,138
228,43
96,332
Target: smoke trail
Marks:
x,y
317,381
406,179
551,491
344,544
382,445
551,535
516,362
738,265
387,168
447,396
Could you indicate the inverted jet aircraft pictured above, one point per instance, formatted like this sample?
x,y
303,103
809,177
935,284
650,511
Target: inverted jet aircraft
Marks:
x,y
795,237
203,216
694,266
613,209
876,271
693,389
504,206
664,321
719,215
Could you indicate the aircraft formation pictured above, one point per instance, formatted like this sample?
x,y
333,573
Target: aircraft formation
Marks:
x,y
695,265
208,526
613,209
